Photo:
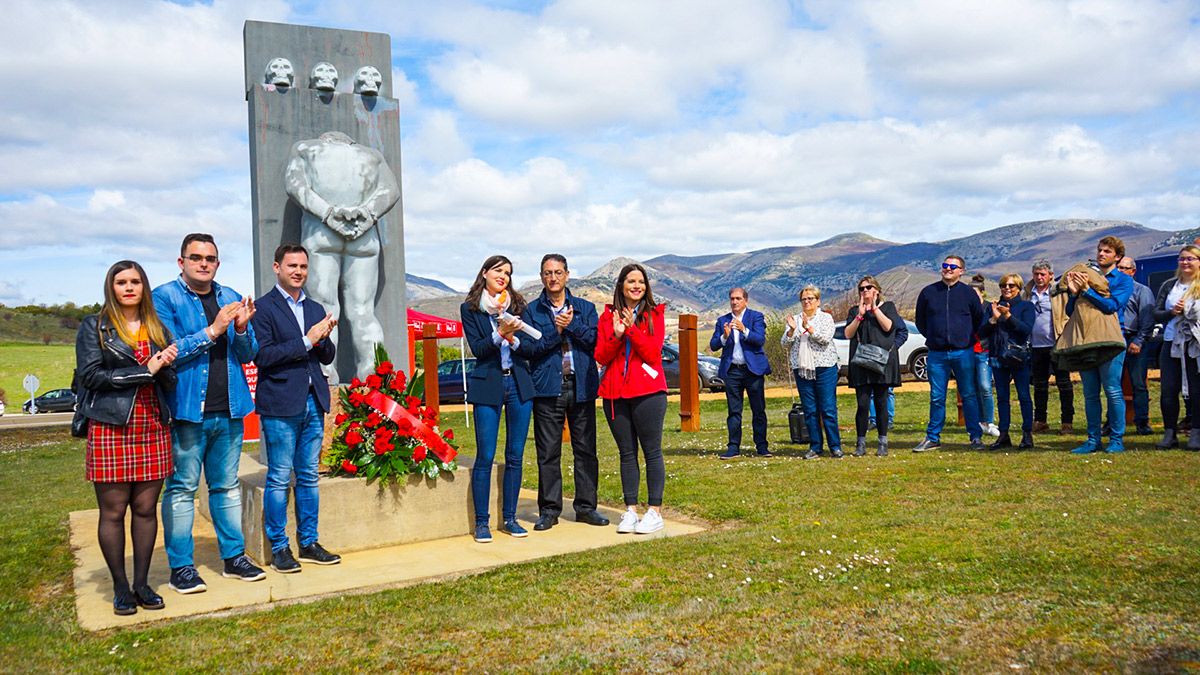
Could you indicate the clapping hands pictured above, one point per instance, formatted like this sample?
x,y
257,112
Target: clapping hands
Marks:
x,y
321,329
164,358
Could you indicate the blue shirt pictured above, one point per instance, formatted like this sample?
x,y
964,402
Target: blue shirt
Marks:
x,y
297,307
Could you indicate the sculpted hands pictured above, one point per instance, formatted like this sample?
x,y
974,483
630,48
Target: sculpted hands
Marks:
x,y
349,221
321,329
164,358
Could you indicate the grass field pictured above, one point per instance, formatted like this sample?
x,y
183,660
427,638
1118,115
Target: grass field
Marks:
x,y
52,364
944,562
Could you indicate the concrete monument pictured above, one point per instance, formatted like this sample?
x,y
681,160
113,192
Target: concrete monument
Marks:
x,y
325,166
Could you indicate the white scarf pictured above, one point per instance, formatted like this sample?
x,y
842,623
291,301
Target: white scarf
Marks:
x,y
805,358
494,306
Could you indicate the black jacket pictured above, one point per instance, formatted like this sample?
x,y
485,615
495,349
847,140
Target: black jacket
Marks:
x,y
109,375
947,316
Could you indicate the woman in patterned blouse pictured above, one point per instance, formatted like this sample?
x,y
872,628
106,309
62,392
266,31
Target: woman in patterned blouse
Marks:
x,y
814,362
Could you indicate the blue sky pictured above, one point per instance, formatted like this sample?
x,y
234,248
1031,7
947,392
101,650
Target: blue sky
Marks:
x,y
605,129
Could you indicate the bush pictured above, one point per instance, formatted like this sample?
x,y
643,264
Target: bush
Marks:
x,y
445,353
777,354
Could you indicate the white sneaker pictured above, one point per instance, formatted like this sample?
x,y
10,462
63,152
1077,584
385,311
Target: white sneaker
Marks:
x,y
629,522
990,429
651,522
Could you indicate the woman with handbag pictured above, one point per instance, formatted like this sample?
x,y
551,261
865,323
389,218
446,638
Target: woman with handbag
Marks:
x,y
1176,308
123,357
875,331
813,358
1007,325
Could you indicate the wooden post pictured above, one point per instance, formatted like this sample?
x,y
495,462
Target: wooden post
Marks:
x,y
430,347
689,376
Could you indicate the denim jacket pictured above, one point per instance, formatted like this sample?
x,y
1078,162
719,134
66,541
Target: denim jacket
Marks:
x,y
182,312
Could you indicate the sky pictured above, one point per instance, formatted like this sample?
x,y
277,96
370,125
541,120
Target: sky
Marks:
x,y
604,129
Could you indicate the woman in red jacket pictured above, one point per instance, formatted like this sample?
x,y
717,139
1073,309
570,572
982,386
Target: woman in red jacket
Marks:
x,y
629,348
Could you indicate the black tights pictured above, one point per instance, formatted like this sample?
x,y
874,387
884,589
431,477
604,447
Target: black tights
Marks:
x,y
864,394
142,499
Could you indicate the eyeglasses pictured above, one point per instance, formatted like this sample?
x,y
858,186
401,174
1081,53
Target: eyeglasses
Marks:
x,y
1188,258
865,288
554,273
808,299
1010,285
1126,267
196,257
951,266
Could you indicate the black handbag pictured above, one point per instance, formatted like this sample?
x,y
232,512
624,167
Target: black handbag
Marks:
x,y
1016,354
871,357
79,424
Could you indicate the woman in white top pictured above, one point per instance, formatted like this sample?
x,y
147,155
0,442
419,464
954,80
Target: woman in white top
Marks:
x,y
1178,359
814,362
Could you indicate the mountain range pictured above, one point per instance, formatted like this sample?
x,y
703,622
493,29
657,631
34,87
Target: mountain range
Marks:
x,y
774,276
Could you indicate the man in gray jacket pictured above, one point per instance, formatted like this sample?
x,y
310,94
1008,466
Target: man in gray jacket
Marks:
x,y
1137,325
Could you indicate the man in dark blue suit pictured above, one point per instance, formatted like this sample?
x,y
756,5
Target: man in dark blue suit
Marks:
x,y
739,336
292,399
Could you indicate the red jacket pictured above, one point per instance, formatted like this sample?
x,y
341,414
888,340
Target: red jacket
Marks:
x,y
645,357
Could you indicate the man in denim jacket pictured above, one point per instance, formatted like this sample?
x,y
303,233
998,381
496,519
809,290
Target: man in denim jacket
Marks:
x,y
211,327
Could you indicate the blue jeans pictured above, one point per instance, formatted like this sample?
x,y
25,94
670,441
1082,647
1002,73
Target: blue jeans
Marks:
x,y
891,408
1106,376
960,363
983,387
487,431
819,398
216,445
1020,377
292,444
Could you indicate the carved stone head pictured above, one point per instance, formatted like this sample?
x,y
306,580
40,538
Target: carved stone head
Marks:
x,y
279,72
324,77
367,81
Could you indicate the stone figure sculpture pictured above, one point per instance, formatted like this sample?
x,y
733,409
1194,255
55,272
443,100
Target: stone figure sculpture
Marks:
x,y
344,189
324,77
279,72
367,81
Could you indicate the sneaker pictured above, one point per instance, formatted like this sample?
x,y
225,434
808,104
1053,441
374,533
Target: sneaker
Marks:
x,y
514,528
483,533
651,522
990,429
811,454
242,568
927,445
1086,449
837,453
186,580
729,454
315,553
629,522
977,445
764,453
283,562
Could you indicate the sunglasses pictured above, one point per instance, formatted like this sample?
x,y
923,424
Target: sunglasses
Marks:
x,y
864,289
951,266
1009,286
196,257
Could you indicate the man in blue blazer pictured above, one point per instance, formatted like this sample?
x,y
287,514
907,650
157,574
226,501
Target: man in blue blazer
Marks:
x,y
739,336
292,399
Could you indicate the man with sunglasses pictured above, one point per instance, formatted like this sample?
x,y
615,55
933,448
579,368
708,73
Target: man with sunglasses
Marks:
x,y
211,326
1137,324
948,313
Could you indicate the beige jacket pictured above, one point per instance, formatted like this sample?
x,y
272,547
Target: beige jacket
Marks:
x,y
1088,337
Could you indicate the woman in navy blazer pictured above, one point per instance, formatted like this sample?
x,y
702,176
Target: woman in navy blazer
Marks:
x,y
1009,322
499,383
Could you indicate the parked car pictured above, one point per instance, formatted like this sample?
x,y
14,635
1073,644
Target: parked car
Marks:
x,y
450,380
912,354
56,400
707,369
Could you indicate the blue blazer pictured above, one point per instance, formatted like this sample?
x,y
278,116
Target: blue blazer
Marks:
x,y
285,368
752,343
485,384
546,360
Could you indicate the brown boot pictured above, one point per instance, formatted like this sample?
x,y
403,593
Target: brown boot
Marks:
x,y
1040,427
1066,429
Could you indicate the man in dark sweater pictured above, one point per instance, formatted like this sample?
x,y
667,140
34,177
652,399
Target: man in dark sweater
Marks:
x,y
947,315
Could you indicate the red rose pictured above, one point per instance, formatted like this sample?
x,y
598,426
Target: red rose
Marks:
x,y
353,438
385,368
412,402
374,381
382,446
449,434
357,398
419,453
399,379
356,383
340,419
384,433
349,467
374,420
404,427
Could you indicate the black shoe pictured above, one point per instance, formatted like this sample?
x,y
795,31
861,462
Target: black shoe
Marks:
x,y
242,568
1003,442
1026,441
283,562
147,598
186,580
977,444
315,553
1144,430
591,518
545,522
764,453
812,454
124,602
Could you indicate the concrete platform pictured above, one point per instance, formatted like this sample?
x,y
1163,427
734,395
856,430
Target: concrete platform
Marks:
x,y
359,572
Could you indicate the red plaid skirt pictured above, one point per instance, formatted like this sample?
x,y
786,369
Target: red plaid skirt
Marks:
x,y
138,451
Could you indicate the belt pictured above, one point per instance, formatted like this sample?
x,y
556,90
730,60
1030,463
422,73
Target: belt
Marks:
x,y
506,371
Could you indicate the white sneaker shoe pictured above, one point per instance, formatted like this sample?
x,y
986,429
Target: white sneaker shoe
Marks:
x,y
990,429
629,522
651,522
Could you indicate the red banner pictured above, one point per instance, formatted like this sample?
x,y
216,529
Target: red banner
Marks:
x,y
389,408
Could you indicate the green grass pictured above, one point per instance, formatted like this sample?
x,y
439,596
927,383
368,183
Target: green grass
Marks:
x,y
52,364
954,562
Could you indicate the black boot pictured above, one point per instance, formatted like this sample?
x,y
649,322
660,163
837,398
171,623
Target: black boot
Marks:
x,y
1026,440
883,447
1193,443
1003,442
860,448
1168,440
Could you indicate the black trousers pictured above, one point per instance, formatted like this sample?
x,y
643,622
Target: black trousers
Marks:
x,y
863,395
1171,376
739,379
1041,368
633,422
549,413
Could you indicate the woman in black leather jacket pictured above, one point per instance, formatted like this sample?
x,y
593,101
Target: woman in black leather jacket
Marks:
x,y
123,359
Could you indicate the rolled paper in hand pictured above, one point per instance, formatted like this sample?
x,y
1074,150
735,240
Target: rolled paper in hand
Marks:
x,y
524,327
